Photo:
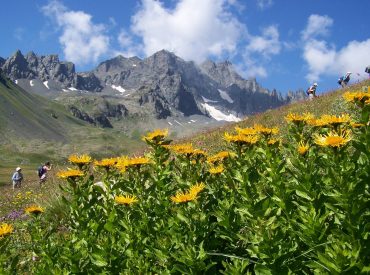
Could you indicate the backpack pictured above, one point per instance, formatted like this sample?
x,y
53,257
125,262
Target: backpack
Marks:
x,y
340,80
40,171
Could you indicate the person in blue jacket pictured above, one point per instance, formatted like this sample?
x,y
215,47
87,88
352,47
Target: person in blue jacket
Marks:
x,y
343,81
17,178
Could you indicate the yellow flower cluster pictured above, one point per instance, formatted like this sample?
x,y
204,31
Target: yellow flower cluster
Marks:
x,y
217,169
265,130
157,135
5,229
34,209
273,141
72,173
357,97
257,129
124,162
333,120
220,156
296,118
80,159
107,162
126,199
333,139
186,149
242,139
190,195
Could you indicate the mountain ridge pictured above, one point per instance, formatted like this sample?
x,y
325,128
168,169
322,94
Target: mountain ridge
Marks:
x,y
162,83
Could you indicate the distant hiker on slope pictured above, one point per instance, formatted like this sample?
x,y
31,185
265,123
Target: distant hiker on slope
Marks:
x,y
343,81
367,70
311,91
42,171
17,178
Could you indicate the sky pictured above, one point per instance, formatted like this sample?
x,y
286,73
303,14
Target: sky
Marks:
x,y
284,44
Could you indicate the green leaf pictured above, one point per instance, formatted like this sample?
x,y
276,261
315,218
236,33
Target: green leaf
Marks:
x,y
303,195
262,270
98,260
109,227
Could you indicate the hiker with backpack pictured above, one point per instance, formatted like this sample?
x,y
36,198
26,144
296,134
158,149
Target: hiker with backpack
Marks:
x,y
343,81
367,70
311,91
17,178
42,171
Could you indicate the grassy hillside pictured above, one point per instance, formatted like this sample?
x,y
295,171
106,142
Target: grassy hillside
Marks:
x,y
300,206
34,129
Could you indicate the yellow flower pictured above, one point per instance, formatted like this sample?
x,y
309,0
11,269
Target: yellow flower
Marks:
x,y
303,148
186,149
156,135
190,195
82,159
296,118
34,209
195,189
125,199
219,156
217,169
183,197
356,96
265,131
72,173
333,139
331,120
107,162
273,141
246,131
5,229
137,161
241,139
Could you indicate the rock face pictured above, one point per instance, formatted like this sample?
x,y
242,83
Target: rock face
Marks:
x,y
100,111
163,85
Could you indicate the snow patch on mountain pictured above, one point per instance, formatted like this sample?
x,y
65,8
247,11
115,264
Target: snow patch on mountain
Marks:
x,y
218,115
119,89
72,89
46,84
225,95
31,83
206,100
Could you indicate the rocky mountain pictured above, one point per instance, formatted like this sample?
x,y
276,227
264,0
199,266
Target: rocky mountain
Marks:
x,y
162,86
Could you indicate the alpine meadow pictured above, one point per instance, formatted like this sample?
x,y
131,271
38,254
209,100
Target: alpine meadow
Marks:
x,y
289,198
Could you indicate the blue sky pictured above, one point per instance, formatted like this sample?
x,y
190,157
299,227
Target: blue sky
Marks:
x,y
285,44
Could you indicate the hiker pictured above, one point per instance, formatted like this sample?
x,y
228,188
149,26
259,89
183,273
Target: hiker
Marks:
x,y
367,70
42,171
343,81
311,91
17,178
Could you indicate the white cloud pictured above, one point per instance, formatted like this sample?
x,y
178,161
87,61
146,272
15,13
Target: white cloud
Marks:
x,y
264,4
267,44
324,59
18,33
82,40
129,48
193,29
317,25
259,50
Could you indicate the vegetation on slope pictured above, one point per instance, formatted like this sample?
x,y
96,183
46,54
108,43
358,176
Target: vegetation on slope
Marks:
x,y
295,204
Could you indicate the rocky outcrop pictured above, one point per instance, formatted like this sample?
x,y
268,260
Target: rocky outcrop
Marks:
x,y
100,111
2,61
